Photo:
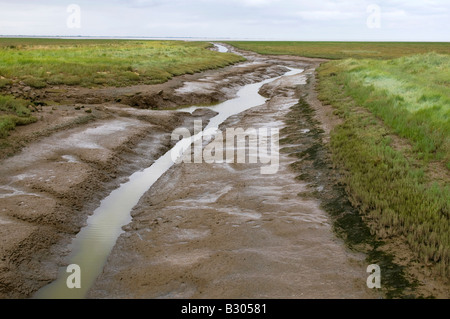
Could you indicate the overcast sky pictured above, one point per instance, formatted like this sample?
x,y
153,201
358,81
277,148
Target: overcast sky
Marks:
x,y
360,20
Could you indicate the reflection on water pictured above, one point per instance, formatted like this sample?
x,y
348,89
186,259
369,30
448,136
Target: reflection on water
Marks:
x,y
92,246
221,48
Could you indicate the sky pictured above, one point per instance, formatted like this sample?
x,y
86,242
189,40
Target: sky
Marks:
x,y
307,20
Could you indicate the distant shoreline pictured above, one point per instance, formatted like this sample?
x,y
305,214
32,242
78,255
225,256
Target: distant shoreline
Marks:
x,y
199,39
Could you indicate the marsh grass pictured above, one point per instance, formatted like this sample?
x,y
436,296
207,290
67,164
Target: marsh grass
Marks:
x,y
342,50
13,112
410,95
42,62
391,187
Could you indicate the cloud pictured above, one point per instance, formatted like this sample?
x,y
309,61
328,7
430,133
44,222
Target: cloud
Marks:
x,y
261,19
145,3
258,3
321,16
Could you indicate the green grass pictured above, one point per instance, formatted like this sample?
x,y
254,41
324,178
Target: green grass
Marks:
x,y
410,94
342,50
42,62
391,185
13,112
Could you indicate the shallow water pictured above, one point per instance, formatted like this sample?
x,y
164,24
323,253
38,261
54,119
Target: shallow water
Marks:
x,y
92,246
221,48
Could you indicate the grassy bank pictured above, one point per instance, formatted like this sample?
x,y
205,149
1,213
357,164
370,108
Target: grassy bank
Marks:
x,y
394,147
342,50
42,62
13,112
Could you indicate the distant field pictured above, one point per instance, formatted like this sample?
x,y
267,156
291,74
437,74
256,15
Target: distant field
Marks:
x,y
342,50
42,62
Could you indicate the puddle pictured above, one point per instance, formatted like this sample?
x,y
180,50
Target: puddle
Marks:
x,y
246,64
70,159
191,234
85,138
221,48
188,87
22,177
208,197
247,215
4,222
92,246
8,191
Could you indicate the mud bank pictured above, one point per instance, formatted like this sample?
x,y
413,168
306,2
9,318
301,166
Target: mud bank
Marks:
x,y
52,185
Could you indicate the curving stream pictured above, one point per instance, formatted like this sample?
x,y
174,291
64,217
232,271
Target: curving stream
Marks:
x,y
93,244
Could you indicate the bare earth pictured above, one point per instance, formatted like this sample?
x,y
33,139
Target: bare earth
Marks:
x,y
203,230
226,231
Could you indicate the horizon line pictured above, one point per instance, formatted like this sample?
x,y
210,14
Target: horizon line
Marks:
x,y
203,38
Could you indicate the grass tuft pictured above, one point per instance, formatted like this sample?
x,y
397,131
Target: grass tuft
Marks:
x,y
13,112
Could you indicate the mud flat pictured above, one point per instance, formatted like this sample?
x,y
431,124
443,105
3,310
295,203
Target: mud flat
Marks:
x,y
50,187
219,230
224,230
54,173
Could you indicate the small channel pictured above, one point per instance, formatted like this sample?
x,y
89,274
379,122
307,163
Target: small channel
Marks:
x,y
93,244
221,48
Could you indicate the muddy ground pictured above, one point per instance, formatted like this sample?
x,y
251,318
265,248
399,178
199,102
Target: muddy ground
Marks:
x,y
203,230
226,231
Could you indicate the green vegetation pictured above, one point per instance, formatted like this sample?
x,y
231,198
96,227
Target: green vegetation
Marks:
x,y
42,62
410,95
392,180
13,112
342,50
39,63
